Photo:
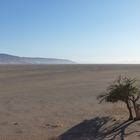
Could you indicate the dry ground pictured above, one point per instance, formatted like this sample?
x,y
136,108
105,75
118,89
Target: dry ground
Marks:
x,y
45,101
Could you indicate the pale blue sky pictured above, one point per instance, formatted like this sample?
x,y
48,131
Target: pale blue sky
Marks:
x,y
86,31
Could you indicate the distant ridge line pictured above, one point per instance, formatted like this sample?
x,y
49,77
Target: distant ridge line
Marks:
x,y
12,59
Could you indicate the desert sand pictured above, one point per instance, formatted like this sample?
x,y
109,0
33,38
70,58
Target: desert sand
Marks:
x,y
43,101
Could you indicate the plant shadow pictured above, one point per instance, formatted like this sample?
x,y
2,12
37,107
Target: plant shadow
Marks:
x,y
99,128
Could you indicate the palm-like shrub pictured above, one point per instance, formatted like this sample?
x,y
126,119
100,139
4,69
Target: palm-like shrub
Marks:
x,y
126,90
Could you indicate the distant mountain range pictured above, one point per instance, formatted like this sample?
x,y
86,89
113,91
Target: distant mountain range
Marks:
x,y
11,59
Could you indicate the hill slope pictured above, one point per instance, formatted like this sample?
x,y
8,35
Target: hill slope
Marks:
x,y
11,59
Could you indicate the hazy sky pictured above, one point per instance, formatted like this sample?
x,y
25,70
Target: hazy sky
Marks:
x,y
86,31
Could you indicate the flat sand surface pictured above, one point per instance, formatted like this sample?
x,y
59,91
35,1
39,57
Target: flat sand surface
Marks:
x,y
46,101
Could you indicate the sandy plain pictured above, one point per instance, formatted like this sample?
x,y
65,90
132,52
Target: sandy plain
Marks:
x,y
43,101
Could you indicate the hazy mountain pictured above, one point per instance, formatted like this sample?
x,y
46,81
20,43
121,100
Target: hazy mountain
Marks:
x,y
11,59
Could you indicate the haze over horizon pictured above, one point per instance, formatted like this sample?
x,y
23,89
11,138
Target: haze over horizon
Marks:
x,y
84,31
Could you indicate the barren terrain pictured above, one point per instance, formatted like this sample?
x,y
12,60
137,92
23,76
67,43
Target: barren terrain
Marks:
x,y
42,101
